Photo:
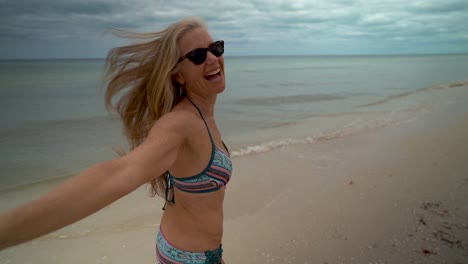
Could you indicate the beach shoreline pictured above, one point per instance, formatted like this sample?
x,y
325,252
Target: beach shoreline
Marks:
x,y
393,194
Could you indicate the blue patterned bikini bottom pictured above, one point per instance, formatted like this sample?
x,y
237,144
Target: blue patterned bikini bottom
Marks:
x,y
168,254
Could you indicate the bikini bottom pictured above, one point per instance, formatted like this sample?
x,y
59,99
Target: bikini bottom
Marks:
x,y
168,254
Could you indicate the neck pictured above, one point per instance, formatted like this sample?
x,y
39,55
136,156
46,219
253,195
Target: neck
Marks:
x,y
206,105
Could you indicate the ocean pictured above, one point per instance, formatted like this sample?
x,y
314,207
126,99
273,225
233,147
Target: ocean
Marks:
x,y
54,123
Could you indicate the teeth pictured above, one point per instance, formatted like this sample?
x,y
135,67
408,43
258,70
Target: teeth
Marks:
x,y
213,72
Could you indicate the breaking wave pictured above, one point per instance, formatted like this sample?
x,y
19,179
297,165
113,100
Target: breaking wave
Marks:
x,y
421,90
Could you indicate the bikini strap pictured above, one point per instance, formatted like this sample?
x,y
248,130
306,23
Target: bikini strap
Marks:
x,y
204,121
169,178
225,147
169,188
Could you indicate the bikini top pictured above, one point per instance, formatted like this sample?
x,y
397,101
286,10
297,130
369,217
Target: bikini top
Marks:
x,y
216,174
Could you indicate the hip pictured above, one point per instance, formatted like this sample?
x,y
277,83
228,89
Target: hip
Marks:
x,y
166,253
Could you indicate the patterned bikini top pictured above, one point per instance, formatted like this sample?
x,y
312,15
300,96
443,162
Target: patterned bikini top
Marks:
x,y
216,174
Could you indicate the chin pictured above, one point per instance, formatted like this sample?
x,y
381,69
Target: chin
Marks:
x,y
220,89
219,85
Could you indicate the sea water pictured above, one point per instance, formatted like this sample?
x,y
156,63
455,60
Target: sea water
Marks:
x,y
54,123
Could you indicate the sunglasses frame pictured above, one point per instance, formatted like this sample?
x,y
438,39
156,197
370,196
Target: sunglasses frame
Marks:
x,y
192,55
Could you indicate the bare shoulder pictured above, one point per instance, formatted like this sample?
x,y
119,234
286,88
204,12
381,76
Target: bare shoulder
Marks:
x,y
160,149
177,123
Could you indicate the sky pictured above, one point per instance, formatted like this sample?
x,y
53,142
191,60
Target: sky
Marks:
x,y
32,29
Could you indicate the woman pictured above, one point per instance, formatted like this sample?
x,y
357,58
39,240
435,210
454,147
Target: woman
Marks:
x,y
169,85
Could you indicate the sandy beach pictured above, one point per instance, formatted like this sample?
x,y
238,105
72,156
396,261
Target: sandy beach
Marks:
x,y
397,194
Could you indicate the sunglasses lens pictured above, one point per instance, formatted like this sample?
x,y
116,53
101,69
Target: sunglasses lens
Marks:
x,y
197,56
217,48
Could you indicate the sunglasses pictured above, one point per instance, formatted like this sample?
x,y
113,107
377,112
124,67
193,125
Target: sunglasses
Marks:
x,y
198,56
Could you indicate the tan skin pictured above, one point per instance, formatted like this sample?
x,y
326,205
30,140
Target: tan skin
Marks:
x,y
178,142
195,221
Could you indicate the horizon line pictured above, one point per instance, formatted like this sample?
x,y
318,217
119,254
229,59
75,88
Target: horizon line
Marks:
x,y
264,55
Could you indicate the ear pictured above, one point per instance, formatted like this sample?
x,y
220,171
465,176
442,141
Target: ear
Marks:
x,y
178,78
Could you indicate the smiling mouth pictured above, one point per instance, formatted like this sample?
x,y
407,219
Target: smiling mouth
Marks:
x,y
212,75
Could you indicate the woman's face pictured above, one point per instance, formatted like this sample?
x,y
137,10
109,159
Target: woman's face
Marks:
x,y
206,78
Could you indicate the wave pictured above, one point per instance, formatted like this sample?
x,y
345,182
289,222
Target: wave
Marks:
x,y
359,122
288,84
294,99
421,90
285,142
282,69
359,126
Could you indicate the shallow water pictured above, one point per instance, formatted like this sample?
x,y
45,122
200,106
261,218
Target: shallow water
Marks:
x,y
54,123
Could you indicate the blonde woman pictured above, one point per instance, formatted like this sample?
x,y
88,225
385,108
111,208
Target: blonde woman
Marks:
x,y
169,81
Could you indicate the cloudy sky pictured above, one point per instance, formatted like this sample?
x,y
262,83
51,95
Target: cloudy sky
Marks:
x,y
74,28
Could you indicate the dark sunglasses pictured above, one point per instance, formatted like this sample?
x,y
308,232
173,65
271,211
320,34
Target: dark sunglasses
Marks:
x,y
198,56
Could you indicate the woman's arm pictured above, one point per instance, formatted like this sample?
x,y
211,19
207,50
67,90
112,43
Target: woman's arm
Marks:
x,y
97,186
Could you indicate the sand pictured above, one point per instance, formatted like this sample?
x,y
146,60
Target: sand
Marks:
x,y
397,194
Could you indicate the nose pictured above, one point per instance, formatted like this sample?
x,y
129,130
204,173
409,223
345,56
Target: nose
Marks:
x,y
210,58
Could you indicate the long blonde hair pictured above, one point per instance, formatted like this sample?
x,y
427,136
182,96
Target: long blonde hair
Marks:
x,y
140,75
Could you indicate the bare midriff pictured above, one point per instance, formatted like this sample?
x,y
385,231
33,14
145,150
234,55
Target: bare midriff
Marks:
x,y
194,223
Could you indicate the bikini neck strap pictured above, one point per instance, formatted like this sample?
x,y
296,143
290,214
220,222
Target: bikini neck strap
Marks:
x,y
203,118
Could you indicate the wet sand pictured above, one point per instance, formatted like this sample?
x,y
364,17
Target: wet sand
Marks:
x,y
394,195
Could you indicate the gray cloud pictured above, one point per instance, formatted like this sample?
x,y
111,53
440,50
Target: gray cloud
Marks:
x,y
444,7
249,27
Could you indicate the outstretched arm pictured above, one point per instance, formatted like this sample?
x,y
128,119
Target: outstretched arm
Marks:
x,y
96,187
